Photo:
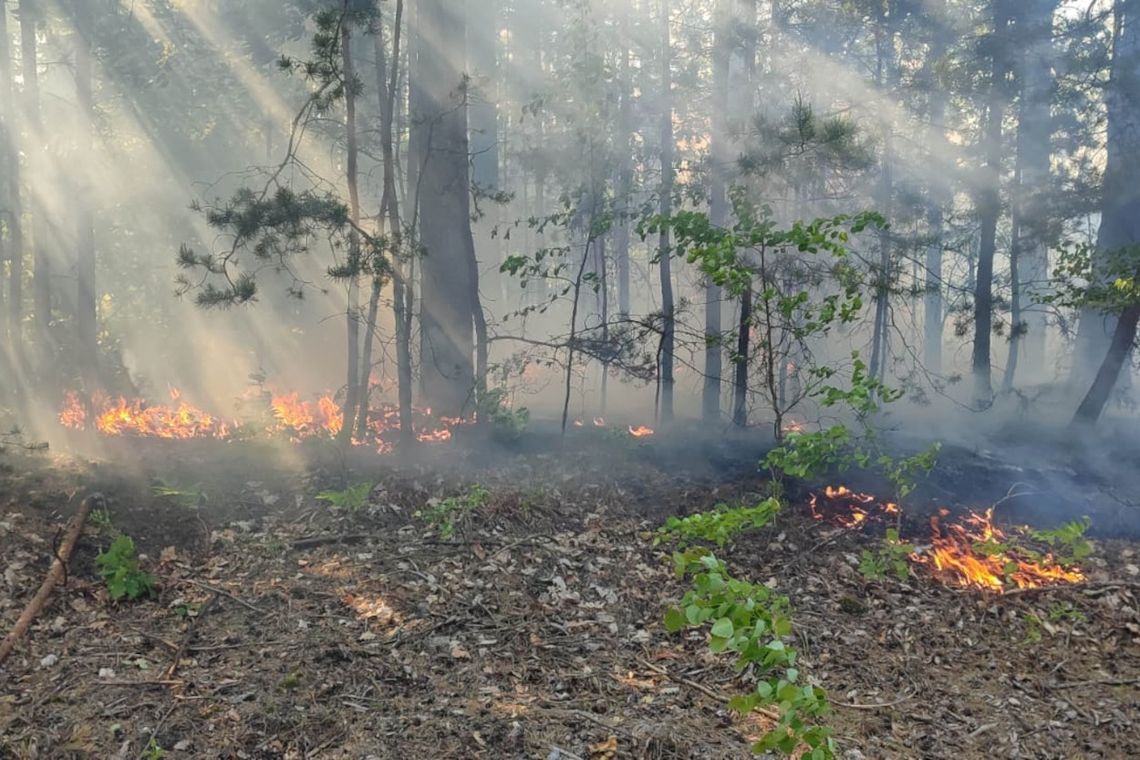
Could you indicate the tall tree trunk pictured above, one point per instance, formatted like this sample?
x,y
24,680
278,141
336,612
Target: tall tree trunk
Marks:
x,y
448,287
938,201
624,148
483,132
1107,376
740,378
86,316
387,88
720,152
353,395
1036,55
664,255
988,203
41,259
13,220
885,78
1120,203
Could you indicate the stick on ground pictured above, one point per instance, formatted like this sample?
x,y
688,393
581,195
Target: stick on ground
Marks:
x,y
55,575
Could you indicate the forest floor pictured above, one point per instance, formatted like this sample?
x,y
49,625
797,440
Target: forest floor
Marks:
x,y
534,631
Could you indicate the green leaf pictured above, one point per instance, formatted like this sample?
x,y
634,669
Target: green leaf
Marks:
x,y
674,620
723,628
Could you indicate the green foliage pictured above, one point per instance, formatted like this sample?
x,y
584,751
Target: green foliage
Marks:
x,y
507,424
810,455
445,514
191,497
100,520
1068,543
890,558
752,622
721,525
119,568
1105,281
351,499
153,751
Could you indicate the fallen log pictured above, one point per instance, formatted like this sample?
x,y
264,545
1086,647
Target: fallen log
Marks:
x,y
57,573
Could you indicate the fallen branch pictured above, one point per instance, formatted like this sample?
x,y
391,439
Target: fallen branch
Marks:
x,y
215,590
56,574
771,714
313,542
178,654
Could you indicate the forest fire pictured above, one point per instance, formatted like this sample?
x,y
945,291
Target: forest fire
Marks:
x,y
287,414
968,553
640,431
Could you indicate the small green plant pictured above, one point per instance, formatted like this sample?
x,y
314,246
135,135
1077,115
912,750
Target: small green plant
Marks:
x,y
190,497
445,514
1064,612
1032,628
752,621
291,681
119,567
720,525
507,424
890,558
153,750
351,499
1067,543
100,520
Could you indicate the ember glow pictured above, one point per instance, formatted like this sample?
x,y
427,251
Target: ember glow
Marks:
x,y
969,552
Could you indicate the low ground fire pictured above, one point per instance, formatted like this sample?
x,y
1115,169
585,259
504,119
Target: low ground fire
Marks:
x,y
966,551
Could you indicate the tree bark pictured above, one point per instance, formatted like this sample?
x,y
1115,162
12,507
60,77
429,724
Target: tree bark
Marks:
x,y
668,307
13,220
440,122
41,259
624,147
1123,337
723,42
988,202
1120,205
86,314
740,379
353,396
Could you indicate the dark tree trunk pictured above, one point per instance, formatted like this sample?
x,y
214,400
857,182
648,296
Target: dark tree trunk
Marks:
x,y
664,255
1118,351
1120,204
989,207
624,171
353,395
740,380
447,303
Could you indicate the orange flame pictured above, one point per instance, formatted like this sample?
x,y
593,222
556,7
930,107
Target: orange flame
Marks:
x,y
599,422
640,431
970,553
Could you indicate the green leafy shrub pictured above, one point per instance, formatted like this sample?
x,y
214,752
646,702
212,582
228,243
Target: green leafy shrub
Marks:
x,y
445,515
351,499
752,621
119,568
507,424
1067,543
891,558
720,525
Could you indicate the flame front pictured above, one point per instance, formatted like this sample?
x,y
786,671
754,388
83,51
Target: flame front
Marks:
x,y
968,553
288,414
640,431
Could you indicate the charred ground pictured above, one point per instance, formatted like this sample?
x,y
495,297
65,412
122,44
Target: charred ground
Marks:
x,y
285,628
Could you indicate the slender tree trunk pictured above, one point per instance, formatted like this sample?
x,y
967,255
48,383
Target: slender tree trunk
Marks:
x,y
447,308
624,141
885,79
41,260
353,395
9,126
666,209
1036,53
86,316
937,202
723,43
989,207
1106,378
740,379
1120,204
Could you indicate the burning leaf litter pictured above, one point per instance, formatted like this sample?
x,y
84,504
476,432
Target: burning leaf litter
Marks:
x,y
970,552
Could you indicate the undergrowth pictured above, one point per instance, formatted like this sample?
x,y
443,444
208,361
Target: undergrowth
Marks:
x,y
119,568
